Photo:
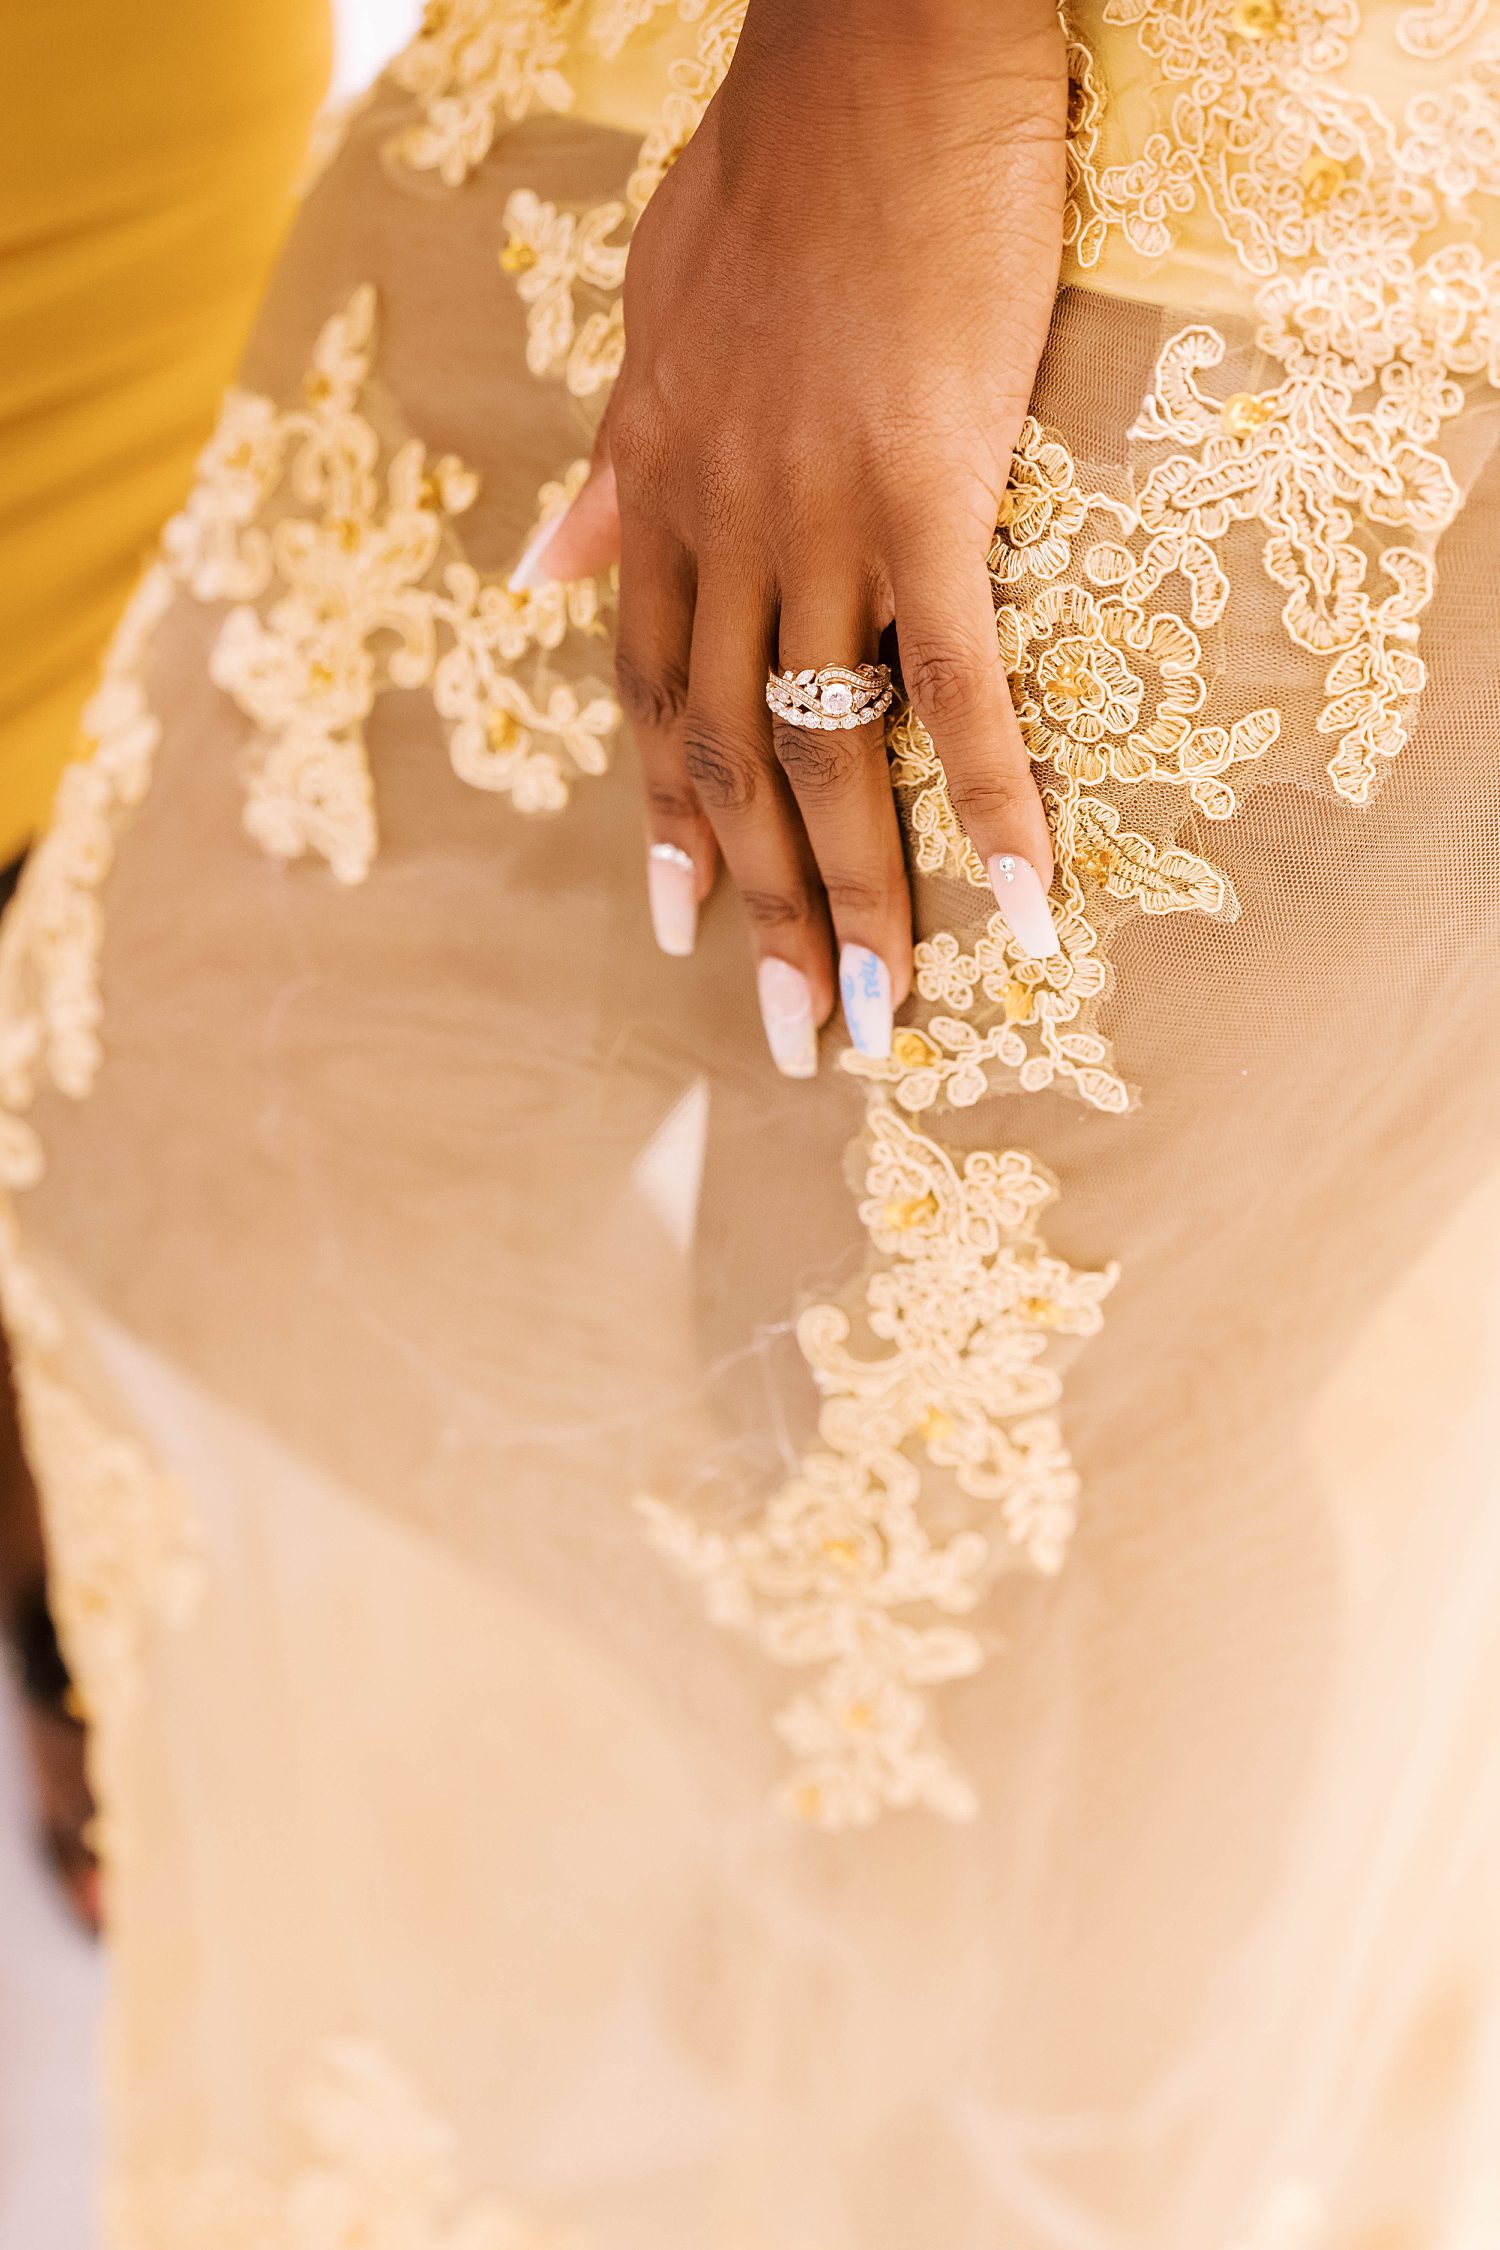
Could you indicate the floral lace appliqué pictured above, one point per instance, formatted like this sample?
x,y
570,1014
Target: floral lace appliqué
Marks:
x,y
360,604
123,1542
474,63
121,1534
940,1373
369,2168
614,22
551,253
1344,221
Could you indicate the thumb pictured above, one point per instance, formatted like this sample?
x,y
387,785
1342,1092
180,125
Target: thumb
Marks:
x,y
585,539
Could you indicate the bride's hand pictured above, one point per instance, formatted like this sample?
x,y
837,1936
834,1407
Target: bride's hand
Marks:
x,y
834,308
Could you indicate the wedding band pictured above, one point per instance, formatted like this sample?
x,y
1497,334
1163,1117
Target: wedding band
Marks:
x,y
839,695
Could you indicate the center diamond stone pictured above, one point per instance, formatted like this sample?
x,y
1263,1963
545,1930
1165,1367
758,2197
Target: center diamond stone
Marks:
x,y
837,698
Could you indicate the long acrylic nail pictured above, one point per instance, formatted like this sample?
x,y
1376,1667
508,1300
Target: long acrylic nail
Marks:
x,y
865,989
528,573
787,1013
1023,902
672,889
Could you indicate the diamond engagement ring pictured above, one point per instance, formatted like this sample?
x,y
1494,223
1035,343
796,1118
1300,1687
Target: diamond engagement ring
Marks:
x,y
840,695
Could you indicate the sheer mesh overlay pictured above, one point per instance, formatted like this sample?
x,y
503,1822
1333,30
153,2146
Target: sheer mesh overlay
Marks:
x,y
688,1662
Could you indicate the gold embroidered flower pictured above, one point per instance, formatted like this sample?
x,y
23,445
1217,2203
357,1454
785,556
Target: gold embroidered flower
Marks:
x,y
1228,69
858,1739
1320,441
1371,684
212,542
306,672
943,1362
934,833
1093,844
550,253
354,563
50,1003
1001,1017
1344,216
1085,667
1043,507
368,2164
472,63
1327,183
1088,691
1453,135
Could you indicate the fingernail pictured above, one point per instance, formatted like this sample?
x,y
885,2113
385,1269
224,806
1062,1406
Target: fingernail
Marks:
x,y
1023,902
786,1011
528,573
865,988
672,888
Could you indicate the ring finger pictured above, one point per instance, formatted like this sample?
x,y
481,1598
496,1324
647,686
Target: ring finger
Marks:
x,y
840,781
730,760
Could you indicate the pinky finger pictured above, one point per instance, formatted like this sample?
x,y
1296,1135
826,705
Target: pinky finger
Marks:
x,y
655,637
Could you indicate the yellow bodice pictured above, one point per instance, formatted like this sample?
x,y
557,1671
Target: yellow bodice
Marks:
x,y
147,168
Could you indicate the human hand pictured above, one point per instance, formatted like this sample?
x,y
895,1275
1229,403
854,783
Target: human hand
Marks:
x,y
834,308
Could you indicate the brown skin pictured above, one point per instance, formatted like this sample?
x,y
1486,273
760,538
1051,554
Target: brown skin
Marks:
x,y
834,308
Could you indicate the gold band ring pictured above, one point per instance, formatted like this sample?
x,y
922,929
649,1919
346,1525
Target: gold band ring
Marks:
x,y
839,695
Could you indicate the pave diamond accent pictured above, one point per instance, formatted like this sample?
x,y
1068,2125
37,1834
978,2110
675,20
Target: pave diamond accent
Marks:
x,y
837,695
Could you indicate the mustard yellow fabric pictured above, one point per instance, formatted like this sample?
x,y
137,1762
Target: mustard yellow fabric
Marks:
x,y
148,157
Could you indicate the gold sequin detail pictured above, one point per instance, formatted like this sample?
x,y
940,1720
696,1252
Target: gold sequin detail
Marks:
x,y
1245,413
1322,177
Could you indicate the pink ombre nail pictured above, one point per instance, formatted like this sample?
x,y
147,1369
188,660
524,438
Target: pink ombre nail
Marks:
x,y
786,1011
528,574
672,891
1023,902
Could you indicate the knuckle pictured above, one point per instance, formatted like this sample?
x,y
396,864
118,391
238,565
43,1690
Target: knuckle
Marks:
x,y
637,438
653,695
777,909
672,807
722,506
815,760
944,682
723,772
855,896
983,802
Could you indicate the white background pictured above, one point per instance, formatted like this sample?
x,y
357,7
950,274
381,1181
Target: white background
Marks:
x,y
368,32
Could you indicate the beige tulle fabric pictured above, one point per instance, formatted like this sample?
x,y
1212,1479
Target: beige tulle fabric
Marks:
x,y
688,1662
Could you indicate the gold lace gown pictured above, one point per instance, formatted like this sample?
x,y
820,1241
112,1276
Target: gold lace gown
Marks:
x,y
688,1662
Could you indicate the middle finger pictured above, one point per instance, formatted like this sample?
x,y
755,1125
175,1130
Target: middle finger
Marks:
x,y
728,755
